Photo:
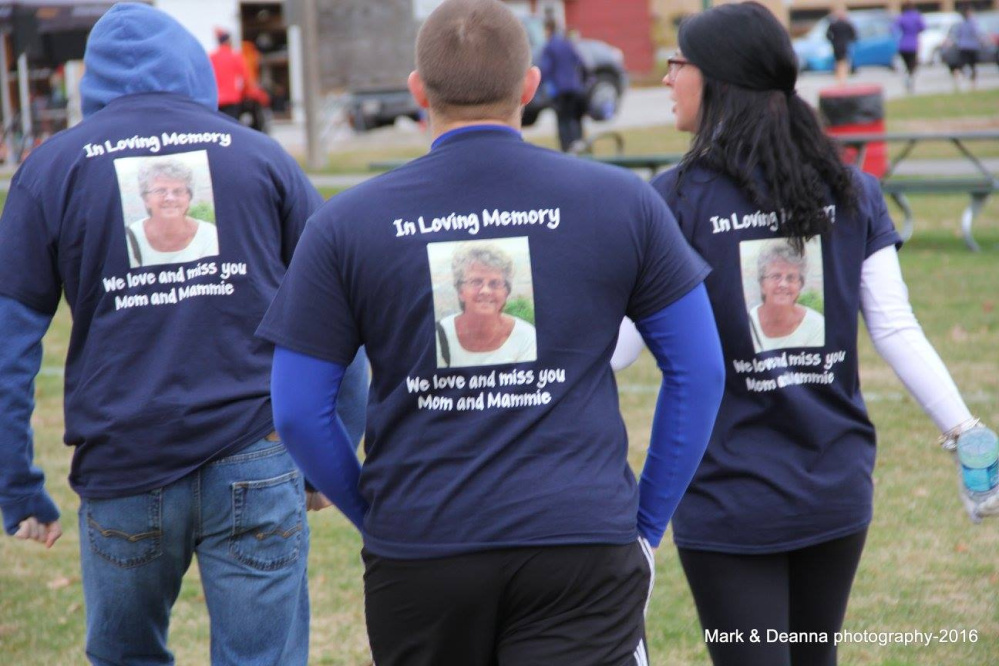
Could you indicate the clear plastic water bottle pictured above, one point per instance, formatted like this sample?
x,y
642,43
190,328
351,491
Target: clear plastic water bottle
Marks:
x,y
978,451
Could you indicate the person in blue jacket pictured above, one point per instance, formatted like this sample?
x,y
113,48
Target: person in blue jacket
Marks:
x,y
771,530
167,405
500,519
563,71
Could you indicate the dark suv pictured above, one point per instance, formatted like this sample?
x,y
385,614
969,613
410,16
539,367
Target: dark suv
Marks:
x,y
606,79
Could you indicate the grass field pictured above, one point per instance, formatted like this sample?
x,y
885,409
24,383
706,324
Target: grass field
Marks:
x,y
925,568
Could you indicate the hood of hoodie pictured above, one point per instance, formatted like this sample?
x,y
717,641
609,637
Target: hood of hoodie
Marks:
x,y
134,49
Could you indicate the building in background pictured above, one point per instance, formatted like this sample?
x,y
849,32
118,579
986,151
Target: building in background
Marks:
x,y
361,45
626,24
41,44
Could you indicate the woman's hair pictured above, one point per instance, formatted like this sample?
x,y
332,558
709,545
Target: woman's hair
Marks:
x,y
485,254
781,251
169,169
753,126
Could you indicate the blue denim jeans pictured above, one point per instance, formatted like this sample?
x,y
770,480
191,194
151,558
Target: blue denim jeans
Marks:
x,y
244,517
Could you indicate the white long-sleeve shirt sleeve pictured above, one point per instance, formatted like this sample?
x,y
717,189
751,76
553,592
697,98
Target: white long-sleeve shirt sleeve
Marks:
x,y
899,339
629,345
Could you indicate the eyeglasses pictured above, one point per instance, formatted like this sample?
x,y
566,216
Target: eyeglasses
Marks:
x,y
675,65
790,278
177,192
479,283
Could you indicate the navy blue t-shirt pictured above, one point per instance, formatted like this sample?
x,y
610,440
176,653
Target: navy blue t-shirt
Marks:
x,y
168,227
790,459
487,445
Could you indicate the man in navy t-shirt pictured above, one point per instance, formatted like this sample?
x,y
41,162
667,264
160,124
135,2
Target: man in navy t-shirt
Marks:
x,y
501,521
167,226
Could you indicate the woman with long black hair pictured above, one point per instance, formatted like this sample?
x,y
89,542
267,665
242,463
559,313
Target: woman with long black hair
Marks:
x,y
771,530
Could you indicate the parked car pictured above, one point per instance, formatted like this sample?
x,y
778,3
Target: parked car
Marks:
x,y
606,78
938,24
988,49
369,109
876,44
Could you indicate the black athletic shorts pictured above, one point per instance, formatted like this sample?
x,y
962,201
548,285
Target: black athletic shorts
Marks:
x,y
550,606
967,58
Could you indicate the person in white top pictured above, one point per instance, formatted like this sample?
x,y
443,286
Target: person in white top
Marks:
x,y
482,334
780,321
168,235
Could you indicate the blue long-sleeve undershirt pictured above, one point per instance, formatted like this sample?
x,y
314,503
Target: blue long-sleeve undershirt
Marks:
x,y
684,340
22,485
304,392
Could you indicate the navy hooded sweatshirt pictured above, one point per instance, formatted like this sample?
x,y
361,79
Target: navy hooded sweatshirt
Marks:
x,y
163,373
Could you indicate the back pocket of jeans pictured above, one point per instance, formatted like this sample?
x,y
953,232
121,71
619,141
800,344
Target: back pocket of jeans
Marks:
x,y
126,531
268,521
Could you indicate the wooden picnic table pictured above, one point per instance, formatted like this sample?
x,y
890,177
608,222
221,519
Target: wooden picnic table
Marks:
x,y
979,186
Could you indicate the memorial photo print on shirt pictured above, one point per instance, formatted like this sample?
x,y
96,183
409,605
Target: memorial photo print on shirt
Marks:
x,y
168,207
483,302
783,289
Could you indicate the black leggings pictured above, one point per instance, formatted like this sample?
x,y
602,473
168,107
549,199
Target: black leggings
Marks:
x,y
798,591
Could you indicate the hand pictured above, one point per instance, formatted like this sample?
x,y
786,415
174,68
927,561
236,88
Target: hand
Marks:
x,y
988,507
977,509
31,529
316,501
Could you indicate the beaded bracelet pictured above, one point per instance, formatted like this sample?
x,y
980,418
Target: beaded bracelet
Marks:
x,y
948,440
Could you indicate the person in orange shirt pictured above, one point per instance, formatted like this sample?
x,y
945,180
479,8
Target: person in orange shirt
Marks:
x,y
230,74
256,100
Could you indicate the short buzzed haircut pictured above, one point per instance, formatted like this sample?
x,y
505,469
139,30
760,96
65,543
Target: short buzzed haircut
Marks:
x,y
472,56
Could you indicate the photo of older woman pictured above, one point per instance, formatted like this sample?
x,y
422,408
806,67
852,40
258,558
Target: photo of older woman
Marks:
x,y
481,333
168,235
780,320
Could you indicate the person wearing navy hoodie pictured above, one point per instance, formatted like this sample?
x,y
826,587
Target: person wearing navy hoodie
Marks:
x,y
500,519
167,404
